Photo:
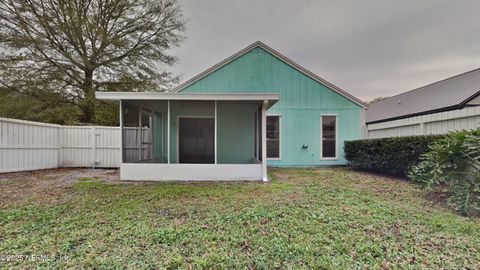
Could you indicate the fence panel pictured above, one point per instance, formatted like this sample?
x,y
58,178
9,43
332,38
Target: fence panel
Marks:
x,y
27,145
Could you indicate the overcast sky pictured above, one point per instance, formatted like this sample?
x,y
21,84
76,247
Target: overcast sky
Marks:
x,y
369,48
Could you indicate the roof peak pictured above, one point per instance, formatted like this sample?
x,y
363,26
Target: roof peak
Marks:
x,y
288,61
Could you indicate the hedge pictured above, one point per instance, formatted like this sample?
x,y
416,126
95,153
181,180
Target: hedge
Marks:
x,y
392,156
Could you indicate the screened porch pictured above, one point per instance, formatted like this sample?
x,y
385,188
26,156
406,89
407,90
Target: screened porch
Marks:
x,y
192,136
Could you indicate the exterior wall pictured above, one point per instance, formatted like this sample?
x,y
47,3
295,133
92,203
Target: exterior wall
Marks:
x,y
302,101
437,123
27,145
235,144
475,101
234,128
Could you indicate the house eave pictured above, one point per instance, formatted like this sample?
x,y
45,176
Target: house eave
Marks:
x,y
451,108
272,98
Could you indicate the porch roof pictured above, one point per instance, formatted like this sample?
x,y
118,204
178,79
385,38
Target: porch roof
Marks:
x,y
271,97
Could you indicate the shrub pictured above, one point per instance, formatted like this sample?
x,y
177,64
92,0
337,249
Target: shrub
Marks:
x,y
394,156
455,161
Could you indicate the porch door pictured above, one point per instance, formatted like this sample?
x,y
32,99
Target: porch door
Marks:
x,y
196,138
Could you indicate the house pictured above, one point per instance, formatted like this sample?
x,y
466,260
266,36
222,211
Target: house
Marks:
x,y
253,109
447,105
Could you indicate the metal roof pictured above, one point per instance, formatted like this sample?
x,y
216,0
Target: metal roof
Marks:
x,y
280,56
448,94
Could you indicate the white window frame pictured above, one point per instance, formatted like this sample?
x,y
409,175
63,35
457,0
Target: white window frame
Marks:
x,y
279,139
336,136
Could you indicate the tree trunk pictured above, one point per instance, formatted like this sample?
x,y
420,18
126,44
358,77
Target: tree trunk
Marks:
x,y
87,105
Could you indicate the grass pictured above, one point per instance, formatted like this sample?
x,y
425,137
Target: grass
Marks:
x,y
305,218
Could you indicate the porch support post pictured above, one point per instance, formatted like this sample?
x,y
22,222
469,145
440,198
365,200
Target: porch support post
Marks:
x,y
168,131
140,134
121,132
264,141
215,141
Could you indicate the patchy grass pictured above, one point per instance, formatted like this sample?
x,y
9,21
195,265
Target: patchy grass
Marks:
x,y
305,218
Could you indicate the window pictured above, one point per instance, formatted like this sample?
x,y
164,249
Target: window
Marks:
x,y
273,137
329,136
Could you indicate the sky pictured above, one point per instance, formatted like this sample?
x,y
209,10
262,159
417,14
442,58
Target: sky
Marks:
x,y
368,48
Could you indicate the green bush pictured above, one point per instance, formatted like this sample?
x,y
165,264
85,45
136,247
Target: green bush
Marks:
x,y
455,161
394,156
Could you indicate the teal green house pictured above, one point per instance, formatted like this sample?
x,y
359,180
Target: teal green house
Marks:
x,y
255,109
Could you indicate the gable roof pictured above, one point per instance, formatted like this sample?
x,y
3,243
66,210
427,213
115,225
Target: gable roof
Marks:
x,y
448,94
259,44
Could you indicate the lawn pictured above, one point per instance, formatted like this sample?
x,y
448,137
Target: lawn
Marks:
x,y
304,218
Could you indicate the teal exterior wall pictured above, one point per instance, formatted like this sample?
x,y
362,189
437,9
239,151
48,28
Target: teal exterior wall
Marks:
x,y
234,128
302,102
235,143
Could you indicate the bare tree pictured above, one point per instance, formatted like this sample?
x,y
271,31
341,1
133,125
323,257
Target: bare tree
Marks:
x,y
72,48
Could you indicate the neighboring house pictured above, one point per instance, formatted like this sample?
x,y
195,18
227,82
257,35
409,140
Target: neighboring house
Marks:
x,y
448,105
253,109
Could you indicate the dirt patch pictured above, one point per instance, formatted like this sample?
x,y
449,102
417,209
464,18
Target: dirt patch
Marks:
x,y
47,186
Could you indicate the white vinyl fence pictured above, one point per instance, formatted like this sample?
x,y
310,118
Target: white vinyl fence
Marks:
x,y
436,123
26,145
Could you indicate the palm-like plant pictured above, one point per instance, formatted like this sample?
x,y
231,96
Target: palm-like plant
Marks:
x,y
455,161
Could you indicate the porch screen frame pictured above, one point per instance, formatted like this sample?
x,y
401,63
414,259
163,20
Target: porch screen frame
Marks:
x,y
177,137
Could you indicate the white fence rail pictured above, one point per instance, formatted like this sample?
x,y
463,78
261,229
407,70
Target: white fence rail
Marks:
x,y
437,123
27,145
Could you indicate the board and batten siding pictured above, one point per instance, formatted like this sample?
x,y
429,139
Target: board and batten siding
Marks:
x,y
302,102
435,123
27,145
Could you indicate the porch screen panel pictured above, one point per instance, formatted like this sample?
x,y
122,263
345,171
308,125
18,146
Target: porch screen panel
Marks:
x,y
131,133
329,136
196,140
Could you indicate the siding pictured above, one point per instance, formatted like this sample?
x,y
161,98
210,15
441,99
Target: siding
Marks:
x,y
302,101
437,123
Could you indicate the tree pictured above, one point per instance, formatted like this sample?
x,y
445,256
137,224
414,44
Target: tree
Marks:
x,y
68,49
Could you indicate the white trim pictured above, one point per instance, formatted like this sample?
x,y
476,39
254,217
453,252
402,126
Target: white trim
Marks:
x,y
168,132
163,133
215,135
140,134
280,56
279,134
264,141
182,96
336,136
177,132
259,132
121,130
